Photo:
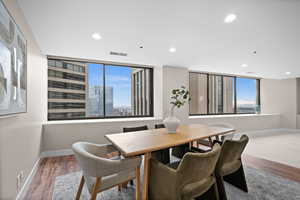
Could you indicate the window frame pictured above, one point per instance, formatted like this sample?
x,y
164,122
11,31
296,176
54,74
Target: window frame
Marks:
x,y
258,91
104,63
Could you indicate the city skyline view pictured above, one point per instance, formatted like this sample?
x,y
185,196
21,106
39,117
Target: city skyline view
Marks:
x,y
117,77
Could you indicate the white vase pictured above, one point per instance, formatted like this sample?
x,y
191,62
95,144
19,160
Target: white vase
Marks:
x,y
171,122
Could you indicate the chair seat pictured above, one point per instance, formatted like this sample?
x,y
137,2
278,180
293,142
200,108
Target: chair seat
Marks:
x,y
193,190
111,180
229,168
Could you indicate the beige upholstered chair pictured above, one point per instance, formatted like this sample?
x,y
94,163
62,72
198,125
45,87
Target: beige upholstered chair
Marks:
x,y
188,179
100,172
230,166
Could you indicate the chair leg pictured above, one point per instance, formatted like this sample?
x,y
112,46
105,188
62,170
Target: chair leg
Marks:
x,y
216,192
238,179
221,188
95,189
138,183
80,188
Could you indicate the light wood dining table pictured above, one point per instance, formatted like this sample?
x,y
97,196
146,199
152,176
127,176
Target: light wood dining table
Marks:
x,y
144,142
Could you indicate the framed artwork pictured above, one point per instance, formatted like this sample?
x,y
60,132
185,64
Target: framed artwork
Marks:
x,y
13,66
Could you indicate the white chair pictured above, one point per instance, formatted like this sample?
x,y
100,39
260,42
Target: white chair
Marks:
x,y
100,172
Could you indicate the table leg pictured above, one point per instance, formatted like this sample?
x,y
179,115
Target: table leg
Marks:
x,y
146,175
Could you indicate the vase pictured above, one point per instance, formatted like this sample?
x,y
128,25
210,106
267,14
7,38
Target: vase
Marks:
x,y
171,122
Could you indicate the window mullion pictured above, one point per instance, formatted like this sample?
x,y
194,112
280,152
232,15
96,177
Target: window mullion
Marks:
x,y
104,100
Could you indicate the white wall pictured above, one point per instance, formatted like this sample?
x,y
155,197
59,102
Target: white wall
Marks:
x,y
61,135
58,136
173,78
20,135
280,96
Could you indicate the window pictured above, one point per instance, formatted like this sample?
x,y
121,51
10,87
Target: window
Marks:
x,y
80,90
247,95
219,94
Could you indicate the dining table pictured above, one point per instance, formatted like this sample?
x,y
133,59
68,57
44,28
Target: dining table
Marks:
x,y
144,142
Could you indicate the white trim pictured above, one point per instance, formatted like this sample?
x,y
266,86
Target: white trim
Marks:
x,y
107,120
62,152
231,116
28,180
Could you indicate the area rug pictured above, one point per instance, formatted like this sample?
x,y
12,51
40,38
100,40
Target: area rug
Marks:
x,y
262,186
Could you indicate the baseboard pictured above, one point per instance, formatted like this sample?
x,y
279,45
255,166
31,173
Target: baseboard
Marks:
x,y
63,152
28,180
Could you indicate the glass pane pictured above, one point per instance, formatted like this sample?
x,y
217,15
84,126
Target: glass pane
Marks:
x,y
246,94
127,91
198,93
118,90
95,91
215,94
228,94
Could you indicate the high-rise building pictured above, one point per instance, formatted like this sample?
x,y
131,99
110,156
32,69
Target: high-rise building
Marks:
x,y
211,94
95,100
140,92
67,89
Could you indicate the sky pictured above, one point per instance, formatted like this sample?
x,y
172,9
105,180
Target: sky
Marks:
x,y
246,90
118,77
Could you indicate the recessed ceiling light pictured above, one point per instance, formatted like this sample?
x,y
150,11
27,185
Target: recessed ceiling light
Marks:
x,y
172,49
96,36
244,65
230,18
287,73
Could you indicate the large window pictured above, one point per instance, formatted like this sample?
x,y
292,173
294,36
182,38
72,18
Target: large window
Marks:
x,y
219,94
82,90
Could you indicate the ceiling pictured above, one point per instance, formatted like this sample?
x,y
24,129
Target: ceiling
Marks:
x,y
195,28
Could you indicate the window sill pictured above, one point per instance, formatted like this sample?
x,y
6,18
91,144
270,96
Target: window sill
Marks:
x,y
89,121
230,116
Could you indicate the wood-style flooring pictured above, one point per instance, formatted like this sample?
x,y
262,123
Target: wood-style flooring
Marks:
x,y
42,184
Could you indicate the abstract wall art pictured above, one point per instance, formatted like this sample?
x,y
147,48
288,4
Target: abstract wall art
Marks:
x,y
13,66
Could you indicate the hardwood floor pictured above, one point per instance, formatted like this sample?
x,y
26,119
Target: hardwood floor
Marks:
x,y
41,187
276,168
42,184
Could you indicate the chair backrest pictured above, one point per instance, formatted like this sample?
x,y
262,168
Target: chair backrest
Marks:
x,y
157,126
231,152
133,129
197,166
228,136
92,160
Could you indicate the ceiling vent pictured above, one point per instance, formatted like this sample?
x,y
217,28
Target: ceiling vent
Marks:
x,y
117,53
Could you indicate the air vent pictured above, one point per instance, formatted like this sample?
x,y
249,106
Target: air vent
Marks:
x,y
117,53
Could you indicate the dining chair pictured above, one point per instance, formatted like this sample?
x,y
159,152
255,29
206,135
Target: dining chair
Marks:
x,y
230,167
164,154
177,151
100,172
133,129
136,128
228,136
161,155
192,177
205,145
